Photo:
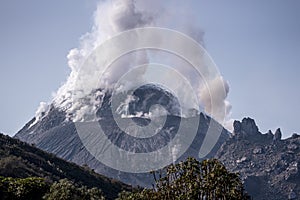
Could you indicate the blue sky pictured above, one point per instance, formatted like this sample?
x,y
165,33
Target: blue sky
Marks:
x,y
255,44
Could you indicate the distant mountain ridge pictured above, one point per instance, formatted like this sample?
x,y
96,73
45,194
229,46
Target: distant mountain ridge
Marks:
x,y
269,165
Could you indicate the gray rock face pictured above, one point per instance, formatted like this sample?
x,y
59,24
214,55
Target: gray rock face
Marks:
x,y
237,126
270,170
295,135
245,128
56,135
277,135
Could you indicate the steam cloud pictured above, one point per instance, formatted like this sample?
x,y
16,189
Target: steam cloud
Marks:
x,y
113,17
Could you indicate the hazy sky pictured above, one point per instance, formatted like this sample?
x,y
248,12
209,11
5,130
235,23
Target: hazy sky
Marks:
x,y
255,44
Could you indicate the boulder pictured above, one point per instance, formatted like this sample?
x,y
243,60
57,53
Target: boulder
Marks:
x,y
243,159
257,150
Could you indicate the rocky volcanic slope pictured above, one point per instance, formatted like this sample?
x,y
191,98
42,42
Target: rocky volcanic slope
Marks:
x,y
55,134
268,165
20,160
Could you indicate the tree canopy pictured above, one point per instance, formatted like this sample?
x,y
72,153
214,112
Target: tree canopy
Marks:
x,y
193,180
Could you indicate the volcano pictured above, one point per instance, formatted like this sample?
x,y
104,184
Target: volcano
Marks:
x,y
54,132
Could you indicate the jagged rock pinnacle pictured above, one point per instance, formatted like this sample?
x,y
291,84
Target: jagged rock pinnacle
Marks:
x,y
245,128
268,164
277,135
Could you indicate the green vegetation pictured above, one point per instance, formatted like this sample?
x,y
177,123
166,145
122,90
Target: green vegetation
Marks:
x,y
193,180
37,188
62,180
22,189
66,190
21,160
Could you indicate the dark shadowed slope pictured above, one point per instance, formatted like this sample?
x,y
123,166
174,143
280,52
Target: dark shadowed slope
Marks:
x,y
18,159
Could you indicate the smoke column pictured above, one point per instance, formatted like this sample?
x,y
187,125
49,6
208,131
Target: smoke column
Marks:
x,y
113,17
